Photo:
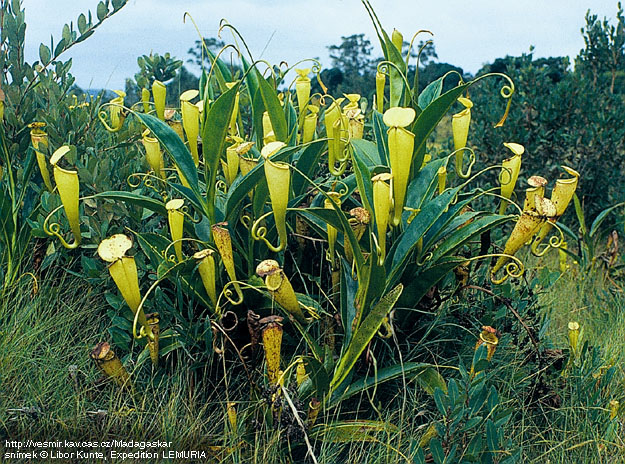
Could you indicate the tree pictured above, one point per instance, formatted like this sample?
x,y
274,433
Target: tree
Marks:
x,y
198,53
604,50
353,59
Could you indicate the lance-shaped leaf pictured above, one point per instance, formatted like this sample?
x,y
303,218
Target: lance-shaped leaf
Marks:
x,y
363,335
177,150
214,134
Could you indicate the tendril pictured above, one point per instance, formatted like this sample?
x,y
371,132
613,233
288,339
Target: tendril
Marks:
x,y
467,174
555,241
54,229
102,116
421,31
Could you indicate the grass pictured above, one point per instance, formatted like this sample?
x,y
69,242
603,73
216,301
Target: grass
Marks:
x,y
49,388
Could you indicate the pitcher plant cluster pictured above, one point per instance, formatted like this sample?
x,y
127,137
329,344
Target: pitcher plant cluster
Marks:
x,y
235,201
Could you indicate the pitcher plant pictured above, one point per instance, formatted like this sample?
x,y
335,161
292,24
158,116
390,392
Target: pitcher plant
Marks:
x,y
460,129
280,288
191,121
39,140
123,271
68,187
509,173
382,201
159,94
526,226
175,218
400,150
561,196
278,177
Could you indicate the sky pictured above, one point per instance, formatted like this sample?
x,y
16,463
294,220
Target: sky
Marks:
x,y
466,33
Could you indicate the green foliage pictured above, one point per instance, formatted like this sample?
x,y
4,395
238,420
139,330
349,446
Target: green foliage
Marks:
x,y
303,342
37,92
562,117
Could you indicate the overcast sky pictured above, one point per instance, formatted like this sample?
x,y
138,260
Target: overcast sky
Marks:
x,y
466,33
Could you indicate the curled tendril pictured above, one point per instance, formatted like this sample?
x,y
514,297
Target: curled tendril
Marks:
x,y
35,281
259,232
421,31
185,210
227,315
286,67
425,258
383,67
146,178
423,47
508,171
102,116
227,293
223,24
344,156
139,104
413,213
344,188
454,200
555,241
269,68
221,186
172,258
336,172
54,229
514,269
506,91
246,220
491,192
467,174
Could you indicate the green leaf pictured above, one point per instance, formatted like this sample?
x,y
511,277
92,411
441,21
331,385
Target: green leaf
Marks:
x,y
381,139
317,375
464,234
308,164
214,139
117,4
429,119
66,34
431,93
441,401
44,54
437,450
153,245
363,176
134,199
338,220
579,211
422,187
363,335
272,106
402,248
420,281
491,436
349,286
594,228
82,23
102,11
176,149
383,375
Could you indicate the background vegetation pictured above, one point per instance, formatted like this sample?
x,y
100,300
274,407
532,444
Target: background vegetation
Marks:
x,y
422,388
